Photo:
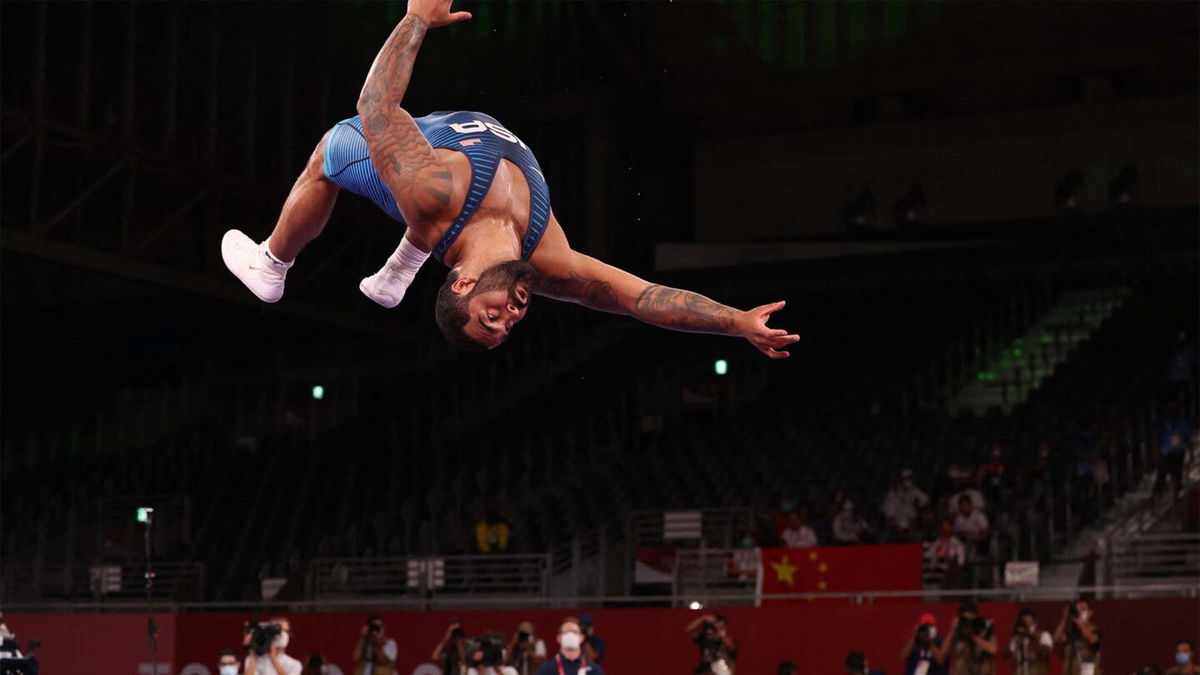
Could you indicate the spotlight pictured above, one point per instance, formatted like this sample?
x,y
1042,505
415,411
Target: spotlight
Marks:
x,y
696,604
318,392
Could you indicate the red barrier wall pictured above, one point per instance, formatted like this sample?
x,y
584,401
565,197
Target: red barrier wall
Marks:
x,y
649,641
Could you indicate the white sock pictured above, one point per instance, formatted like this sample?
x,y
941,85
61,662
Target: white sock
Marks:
x,y
405,261
272,258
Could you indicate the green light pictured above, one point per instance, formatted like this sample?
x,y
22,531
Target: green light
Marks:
x,y
1045,339
721,367
1018,352
318,392
144,513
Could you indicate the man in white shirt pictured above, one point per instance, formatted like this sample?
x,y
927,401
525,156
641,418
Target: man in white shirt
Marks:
x,y
971,525
275,661
902,504
798,534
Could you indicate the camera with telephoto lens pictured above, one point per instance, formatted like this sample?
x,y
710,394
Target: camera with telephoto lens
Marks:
x,y
373,626
923,636
969,626
484,650
1020,629
522,637
262,635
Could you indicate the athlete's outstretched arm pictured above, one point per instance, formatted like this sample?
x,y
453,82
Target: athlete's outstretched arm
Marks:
x,y
578,278
402,157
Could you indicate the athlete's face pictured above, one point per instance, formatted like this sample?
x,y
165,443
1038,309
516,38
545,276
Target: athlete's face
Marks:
x,y
498,301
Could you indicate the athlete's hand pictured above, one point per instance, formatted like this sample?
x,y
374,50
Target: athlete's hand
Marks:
x,y
436,13
769,341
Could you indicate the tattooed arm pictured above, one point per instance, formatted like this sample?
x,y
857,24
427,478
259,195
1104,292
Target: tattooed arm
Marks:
x,y
405,161
586,281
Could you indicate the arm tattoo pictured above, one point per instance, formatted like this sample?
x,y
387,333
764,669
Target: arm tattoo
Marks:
x,y
592,293
684,311
401,155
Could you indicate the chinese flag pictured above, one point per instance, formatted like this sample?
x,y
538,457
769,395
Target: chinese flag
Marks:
x,y
839,569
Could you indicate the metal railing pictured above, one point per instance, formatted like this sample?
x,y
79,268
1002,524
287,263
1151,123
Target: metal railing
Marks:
x,y
1130,591
423,577
1166,558
108,582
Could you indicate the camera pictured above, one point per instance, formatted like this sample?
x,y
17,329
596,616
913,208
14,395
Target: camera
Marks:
x,y
262,635
484,650
373,626
1073,611
457,633
522,637
924,635
1020,629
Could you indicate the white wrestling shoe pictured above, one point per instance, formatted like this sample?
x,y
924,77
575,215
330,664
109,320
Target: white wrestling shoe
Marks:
x,y
251,263
386,287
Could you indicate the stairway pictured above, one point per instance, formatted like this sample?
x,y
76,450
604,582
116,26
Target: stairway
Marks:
x,y
1007,377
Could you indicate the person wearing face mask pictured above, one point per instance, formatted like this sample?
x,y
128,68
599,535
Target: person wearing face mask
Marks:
x,y
228,664
1029,648
925,651
798,534
570,659
1081,637
276,661
901,506
848,528
1184,660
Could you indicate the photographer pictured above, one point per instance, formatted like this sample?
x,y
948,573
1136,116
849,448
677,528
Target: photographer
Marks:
x,y
450,653
972,643
925,651
526,652
375,653
485,655
718,650
266,643
570,659
228,664
1082,638
593,645
1184,660
1029,648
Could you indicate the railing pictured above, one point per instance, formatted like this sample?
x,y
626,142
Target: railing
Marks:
x,y
108,582
1176,590
718,527
422,577
1166,558
729,574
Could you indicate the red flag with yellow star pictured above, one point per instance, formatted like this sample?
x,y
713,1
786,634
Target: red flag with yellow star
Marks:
x,y
839,569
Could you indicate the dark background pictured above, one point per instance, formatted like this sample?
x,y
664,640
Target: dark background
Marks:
x,y
135,134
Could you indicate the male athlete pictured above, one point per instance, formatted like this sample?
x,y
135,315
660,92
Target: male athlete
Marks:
x,y
472,194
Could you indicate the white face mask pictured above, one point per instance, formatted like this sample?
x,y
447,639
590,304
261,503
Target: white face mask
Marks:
x,y
1084,615
932,632
570,640
282,640
230,669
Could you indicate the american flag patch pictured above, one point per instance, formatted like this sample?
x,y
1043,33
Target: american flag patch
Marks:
x,y
469,141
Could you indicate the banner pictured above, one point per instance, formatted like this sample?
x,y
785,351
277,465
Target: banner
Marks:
x,y
839,569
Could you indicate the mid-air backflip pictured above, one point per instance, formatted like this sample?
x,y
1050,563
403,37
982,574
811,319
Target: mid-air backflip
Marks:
x,y
472,194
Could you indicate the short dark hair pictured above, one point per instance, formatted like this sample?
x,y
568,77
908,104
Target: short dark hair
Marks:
x,y
1191,646
1025,611
450,312
228,652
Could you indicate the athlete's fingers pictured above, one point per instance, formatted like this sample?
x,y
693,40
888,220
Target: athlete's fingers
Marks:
x,y
459,16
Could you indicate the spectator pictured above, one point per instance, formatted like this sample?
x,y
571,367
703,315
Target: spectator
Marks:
x,y
972,643
798,534
780,517
1173,445
276,661
228,663
1184,661
901,506
847,527
964,488
1082,639
450,653
375,653
1029,648
491,533
570,659
718,649
992,477
526,652
947,555
593,646
925,650
971,525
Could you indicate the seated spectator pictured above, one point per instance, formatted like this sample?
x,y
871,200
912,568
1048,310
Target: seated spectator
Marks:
x,y
1173,444
798,534
946,550
901,506
965,489
787,505
491,533
848,528
971,525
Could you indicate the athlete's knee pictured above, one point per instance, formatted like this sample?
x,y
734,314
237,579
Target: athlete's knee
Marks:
x,y
315,169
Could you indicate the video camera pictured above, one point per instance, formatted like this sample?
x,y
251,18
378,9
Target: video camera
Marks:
x,y
262,635
484,650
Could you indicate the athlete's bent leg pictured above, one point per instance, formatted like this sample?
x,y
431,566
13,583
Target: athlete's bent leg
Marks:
x,y
263,267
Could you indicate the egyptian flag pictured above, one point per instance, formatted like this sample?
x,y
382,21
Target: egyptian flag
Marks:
x,y
838,569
